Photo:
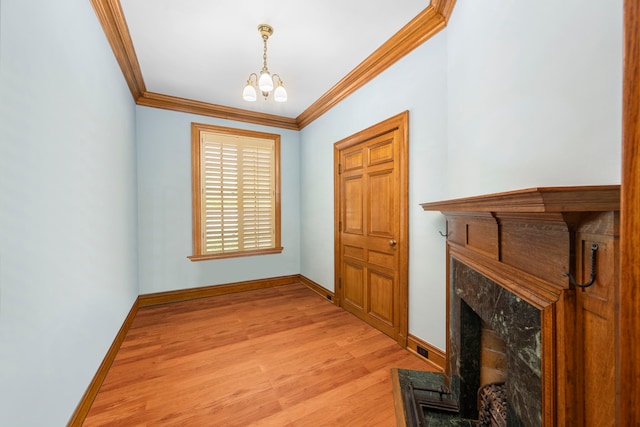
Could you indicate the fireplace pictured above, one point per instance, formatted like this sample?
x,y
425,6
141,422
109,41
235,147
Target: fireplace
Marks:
x,y
475,300
537,268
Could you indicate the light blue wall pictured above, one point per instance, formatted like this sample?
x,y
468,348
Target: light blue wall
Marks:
x,y
511,95
164,187
535,94
416,83
68,256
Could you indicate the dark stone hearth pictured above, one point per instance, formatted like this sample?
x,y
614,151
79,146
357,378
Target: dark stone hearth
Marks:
x,y
474,297
432,418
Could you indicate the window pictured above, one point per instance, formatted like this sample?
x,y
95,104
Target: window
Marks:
x,y
236,192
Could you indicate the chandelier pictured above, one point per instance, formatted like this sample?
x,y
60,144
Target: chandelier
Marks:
x,y
266,81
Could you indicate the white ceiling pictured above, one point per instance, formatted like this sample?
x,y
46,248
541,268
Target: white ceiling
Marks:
x,y
204,50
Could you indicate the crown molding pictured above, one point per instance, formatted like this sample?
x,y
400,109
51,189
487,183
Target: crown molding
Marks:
x,y
111,17
424,26
444,8
167,102
421,28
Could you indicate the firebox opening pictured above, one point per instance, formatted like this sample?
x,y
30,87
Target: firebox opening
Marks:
x,y
493,356
506,349
492,395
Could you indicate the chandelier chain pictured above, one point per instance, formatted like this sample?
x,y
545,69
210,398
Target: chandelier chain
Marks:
x,y
264,54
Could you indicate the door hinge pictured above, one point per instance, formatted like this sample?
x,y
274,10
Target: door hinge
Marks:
x,y
340,226
339,168
340,283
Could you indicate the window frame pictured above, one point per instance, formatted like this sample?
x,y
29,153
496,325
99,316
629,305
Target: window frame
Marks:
x,y
197,185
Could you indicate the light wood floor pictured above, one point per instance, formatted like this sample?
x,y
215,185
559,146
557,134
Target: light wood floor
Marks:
x,y
279,357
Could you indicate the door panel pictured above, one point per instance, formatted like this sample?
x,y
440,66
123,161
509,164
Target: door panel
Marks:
x,y
380,204
381,259
381,152
353,160
353,205
353,252
354,293
381,297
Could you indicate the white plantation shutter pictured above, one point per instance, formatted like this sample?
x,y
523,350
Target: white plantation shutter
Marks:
x,y
238,187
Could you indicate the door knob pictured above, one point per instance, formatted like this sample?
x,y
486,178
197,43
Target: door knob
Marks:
x,y
393,243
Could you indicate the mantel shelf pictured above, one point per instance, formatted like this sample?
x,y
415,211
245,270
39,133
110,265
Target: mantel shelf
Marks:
x,y
600,198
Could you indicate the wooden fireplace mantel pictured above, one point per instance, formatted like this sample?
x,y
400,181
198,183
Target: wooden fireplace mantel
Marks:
x,y
525,234
529,242
537,200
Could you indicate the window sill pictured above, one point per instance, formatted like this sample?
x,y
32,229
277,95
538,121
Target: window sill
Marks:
x,y
205,257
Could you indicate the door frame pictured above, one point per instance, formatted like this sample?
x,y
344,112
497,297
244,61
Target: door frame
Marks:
x,y
629,295
400,123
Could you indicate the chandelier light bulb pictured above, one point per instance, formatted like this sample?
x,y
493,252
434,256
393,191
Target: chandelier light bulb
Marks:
x,y
249,93
266,81
280,94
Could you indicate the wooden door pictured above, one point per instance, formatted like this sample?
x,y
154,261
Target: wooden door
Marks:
x,y
371,214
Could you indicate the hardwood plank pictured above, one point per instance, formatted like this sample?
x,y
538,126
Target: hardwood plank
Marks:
x,y
280,356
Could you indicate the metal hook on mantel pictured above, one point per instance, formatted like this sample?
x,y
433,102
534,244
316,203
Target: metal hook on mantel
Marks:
x,y
572,280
